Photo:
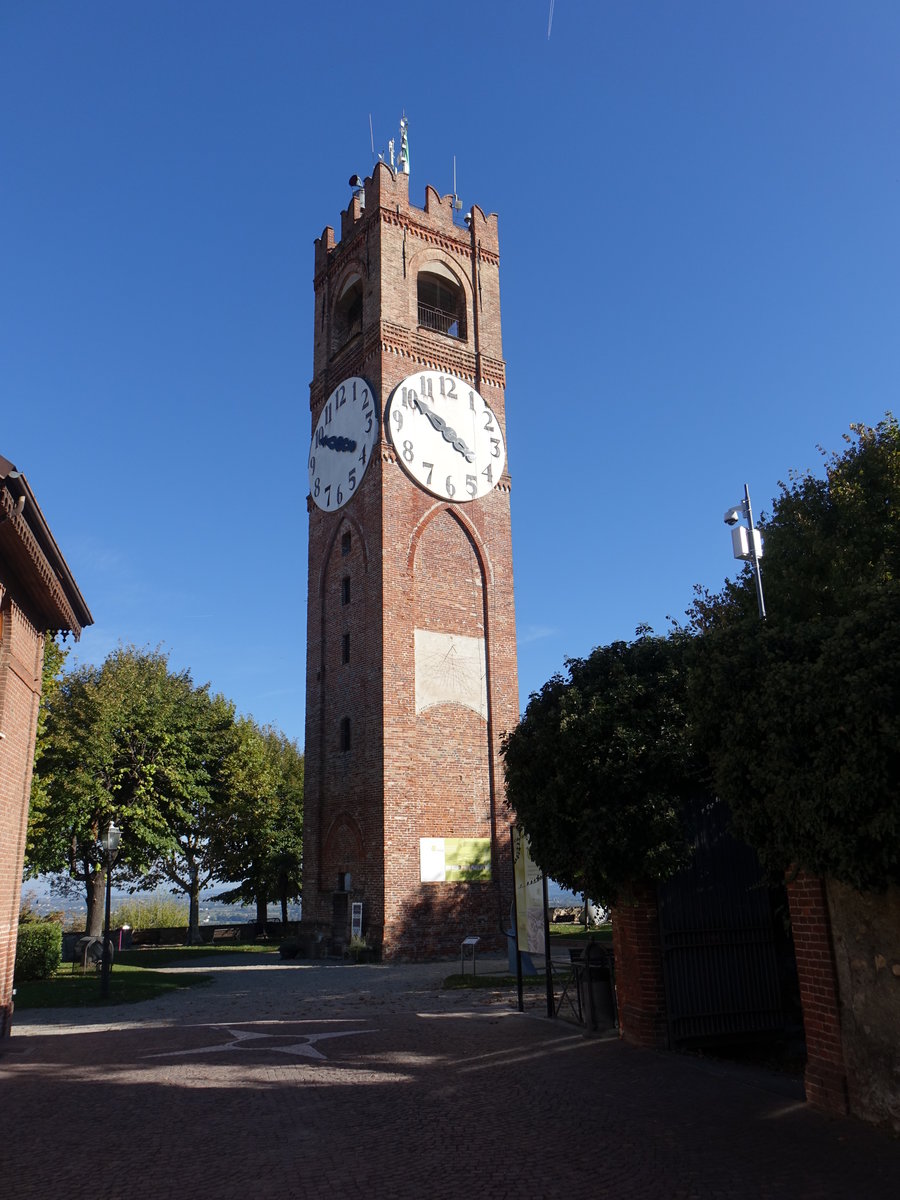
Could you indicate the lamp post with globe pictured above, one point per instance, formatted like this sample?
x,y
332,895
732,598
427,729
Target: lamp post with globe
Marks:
x,y
110,842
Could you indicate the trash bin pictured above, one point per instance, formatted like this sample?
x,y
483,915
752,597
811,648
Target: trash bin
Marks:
x,y
594,976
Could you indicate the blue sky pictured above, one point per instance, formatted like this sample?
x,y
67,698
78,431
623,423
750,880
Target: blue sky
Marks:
x,y
700,280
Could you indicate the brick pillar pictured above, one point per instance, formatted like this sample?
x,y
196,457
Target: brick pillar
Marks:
x,y
639,975
826,1074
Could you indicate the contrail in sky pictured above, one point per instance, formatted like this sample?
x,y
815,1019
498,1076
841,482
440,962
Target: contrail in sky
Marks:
x,y
550,19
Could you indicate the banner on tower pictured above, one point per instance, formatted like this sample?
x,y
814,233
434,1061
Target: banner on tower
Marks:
x,y
455,860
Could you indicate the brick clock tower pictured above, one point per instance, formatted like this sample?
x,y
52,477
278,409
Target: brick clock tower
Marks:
x,y
411,656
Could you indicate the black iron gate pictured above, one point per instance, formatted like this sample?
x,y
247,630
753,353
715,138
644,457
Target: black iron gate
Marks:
x,y
726,955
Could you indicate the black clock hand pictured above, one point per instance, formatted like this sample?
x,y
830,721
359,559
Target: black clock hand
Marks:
x,y
334,442
448,434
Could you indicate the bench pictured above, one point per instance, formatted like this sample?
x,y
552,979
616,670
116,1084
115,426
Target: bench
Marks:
x,y
227,934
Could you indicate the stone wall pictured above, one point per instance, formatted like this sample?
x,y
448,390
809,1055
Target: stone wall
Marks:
x,y
866,939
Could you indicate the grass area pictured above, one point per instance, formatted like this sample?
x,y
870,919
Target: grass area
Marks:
x,y
602,933
72,989
459,982
171,956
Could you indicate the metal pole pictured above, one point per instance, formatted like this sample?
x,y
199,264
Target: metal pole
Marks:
x,y
107,948
757,572
551,1000
520,988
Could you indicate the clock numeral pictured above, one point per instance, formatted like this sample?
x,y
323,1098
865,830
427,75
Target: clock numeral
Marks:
x,y
471,401
340,495
430,467
397,417
449,488
426,387
368,422
328,495
312,464
448,387
366,399
340,397
495,443
409,397
471,485
352,478
327,414
488,420
408,451
362,453
316,487
488,473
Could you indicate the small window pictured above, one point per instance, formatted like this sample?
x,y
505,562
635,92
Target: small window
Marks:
x,y
345,735
345,648
442,303
345,590
345,543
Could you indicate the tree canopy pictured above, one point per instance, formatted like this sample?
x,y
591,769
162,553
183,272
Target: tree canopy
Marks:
x,y
599,768
198,794
800,715
259,844
117,747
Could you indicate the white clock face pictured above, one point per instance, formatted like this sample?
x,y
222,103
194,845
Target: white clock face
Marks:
x,y
446,437
342,444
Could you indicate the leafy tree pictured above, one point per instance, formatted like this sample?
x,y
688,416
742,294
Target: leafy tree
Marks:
x,y
188,860
259,842
117,746
600,767
55,657
801,714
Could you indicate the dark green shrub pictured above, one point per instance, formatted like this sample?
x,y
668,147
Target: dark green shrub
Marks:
x,y
38,950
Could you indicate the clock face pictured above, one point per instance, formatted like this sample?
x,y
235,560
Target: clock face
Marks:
x,y
342,444
446,437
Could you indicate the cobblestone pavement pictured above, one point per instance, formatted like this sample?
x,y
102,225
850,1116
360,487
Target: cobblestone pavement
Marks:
x,y
316,1080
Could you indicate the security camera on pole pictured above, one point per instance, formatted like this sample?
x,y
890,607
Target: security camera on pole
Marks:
x,y
747,544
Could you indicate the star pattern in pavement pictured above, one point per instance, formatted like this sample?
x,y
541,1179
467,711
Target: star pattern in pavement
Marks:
x,y
302,1046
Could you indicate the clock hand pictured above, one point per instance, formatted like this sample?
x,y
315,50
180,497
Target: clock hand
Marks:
x,y
334,442
448,434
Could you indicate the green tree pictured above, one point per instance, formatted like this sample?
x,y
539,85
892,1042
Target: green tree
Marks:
x,y
187,861
259,843
117,746
599,768
55,657
800,715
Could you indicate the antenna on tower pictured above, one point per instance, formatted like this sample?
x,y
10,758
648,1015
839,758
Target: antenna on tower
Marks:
x,y
372,139
403,156
457,203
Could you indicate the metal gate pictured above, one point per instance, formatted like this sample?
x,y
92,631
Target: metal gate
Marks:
x,y
724,956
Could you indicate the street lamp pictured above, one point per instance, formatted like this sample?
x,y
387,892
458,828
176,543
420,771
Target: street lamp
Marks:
x,y
110,843
746,543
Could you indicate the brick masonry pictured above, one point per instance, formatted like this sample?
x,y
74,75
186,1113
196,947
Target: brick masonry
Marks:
x,y
414,562
640,989
21,658
826,1074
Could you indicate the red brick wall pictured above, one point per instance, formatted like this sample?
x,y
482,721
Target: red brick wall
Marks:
x,y
826,1076
417,562
21,658
640,991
